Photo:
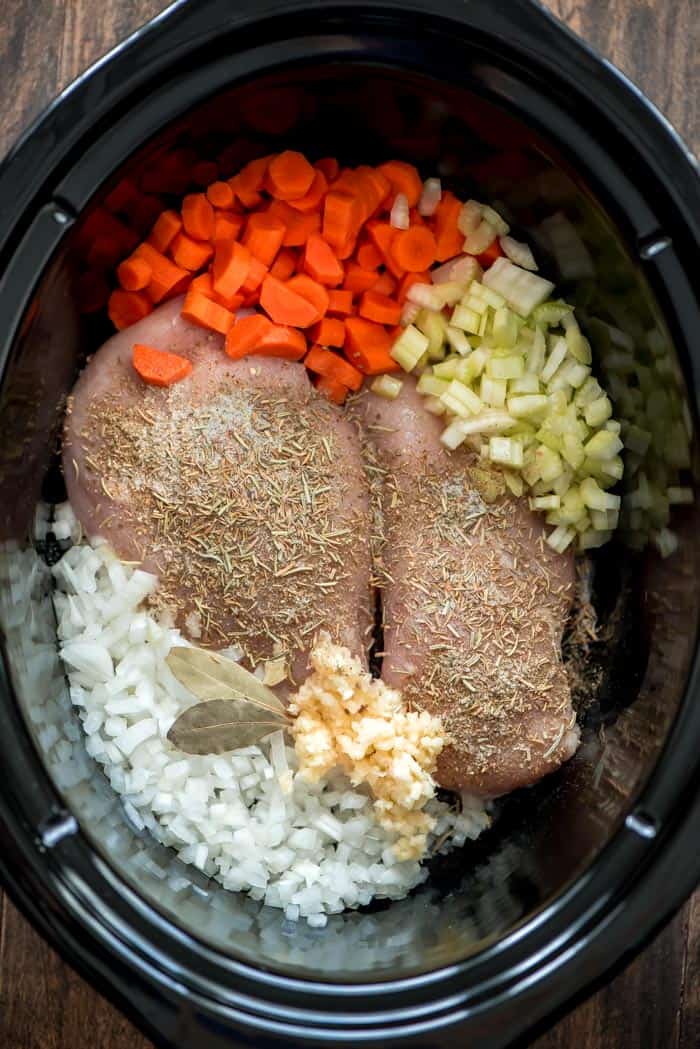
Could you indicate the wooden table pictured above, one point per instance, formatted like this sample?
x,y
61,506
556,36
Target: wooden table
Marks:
x,y
655,1003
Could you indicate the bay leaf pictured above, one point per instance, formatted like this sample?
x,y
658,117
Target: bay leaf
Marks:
x,y
209,675
219,725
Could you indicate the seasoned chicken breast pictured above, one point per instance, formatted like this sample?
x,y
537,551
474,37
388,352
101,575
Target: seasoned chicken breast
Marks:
x,y
240,487
474,602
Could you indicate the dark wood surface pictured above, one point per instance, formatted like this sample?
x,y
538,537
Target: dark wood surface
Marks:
x,y
655,1003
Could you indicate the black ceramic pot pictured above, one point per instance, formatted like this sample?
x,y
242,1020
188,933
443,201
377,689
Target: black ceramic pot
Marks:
x,y
577,873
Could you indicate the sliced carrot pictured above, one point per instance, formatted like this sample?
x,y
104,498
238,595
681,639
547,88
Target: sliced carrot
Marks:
x,y
230,267
369,257
342,216
197,216
282,341
408,281
379,308
165,275
159,367
367,345
357,279
312,291
227,226
245,334
263,236
329,166
204,172
284,265
249,198
220,195
127,307
414,249
166,228
299,225
488,257
203,284
382,235
289,176
332,389
312,200
333,366
206,313
347,250
285,306
190,254
379,183
321,263
257,272
329,332
252,175
340,302
448,239
404,178
384,284
134,274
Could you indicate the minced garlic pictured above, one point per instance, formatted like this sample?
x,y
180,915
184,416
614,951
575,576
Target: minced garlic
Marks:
x,y
345,718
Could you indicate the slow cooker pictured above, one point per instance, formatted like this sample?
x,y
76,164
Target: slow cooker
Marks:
x,y
577,872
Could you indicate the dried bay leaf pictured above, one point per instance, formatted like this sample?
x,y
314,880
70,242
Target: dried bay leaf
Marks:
x,y
219,725
210,676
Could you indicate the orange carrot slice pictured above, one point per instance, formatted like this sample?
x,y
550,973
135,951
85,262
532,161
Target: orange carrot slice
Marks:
x,y
127,307
404,178
289,176
448,239
321,263
159,367
197,216
330,331
285,306
379,308
340,302
333,366
230,267
245,335
134,274
220,195
367,345
263,236
167,226
190,254
312,291
332,389
414,249
198,309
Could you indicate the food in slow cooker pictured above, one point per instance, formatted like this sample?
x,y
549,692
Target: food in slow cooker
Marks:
x,y
254,471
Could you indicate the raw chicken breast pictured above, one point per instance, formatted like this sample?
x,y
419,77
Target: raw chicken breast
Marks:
x,y
240,487
474,602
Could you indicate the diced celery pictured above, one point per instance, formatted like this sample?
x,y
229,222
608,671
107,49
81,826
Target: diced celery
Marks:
x,y
604,520
597,499
497,221
572,450
484,323
556,356
573,373
492,298
458,341
431,386
459,399
583,523
514,482
549,463
522,290
598,411
506,451
527,383
505,328
479,239
678,496
527,405
593,538
466,319
545,502
511,367
472,366
561,484
551,313
433,325
469,217
493,391
474,302
446,369
536,353
589,392
560,538
450,292
434,405
453,435
486,423
387,386
409,347
613,426
603,445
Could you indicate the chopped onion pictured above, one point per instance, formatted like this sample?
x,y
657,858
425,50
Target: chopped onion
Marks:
x,y
480,239
518,252
469,217
399,217
409,313
463,268
425,295
522,290
430,197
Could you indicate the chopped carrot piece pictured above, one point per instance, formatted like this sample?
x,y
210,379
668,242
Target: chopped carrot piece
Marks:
x,y
198,216
329,166
414,249
340,302
379,308
206,313
342,217
289,176
367,345
285,306
203,284
165,275
190,254
299,225
134,274
384,284
379,183
127,307
166,228
256,275
408,281
321,263
331,388
252,175
159,367
329,332
312,291
279,340
205,172
347,250
311,200
369,257
357,279
220,195
404,178
249,198
448,239
382,235
263,236
284,265
488,257
227,226
245,335
333,366
230,267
